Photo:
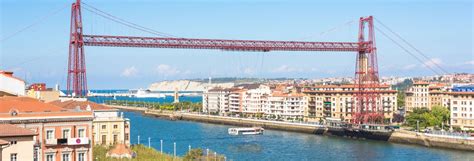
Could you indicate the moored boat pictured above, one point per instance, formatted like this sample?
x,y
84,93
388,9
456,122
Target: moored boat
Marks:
x,y
246,131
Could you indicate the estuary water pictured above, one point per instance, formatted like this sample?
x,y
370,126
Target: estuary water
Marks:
x,y
275,145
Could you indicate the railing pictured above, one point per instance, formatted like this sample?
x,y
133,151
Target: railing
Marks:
x,y
447,134
67,141
51,142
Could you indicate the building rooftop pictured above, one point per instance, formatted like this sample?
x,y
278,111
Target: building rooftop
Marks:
x,y
9,130
82,105
28,108
3,142
26,104
9,74
120,150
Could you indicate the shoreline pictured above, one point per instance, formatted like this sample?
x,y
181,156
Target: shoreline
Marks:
x,y
398,136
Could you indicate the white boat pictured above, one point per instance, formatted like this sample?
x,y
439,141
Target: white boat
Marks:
x,y
148,94
246,131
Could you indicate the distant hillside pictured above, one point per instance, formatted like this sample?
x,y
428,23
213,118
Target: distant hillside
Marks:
x,y
185,85
240,80
202,84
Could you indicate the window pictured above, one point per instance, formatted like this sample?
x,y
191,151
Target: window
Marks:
x,y
66,133
126,136
115,139
65,157
13,157
49,157
49,134
81,133
13,142
115,126
81,157
104,127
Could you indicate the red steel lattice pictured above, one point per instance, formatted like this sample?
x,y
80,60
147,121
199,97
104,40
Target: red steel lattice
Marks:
x,y
366,107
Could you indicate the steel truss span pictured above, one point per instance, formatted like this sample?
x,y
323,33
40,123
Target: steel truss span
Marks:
x,y
238,45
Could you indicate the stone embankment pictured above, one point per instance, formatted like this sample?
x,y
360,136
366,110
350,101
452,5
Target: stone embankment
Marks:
x,y
399,136
432,140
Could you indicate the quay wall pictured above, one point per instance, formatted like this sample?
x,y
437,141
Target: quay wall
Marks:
x,y
429,140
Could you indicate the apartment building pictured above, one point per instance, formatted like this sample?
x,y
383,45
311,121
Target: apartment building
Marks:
x,y
16,143
426,95
281,105
461,101
216,100
235,101
63,134
109,127
254,99
336,102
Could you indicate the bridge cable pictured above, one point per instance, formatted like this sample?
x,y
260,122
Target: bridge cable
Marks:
x,y
321,34
407,51
38,21
124,22
413,47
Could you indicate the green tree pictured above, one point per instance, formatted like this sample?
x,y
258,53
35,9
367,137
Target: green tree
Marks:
x,y
441,114
193,154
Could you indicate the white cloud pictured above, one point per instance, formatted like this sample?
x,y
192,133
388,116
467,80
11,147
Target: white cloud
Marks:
x,y
167,70
284,69
129,72
470,62
433,62
249,71
409,67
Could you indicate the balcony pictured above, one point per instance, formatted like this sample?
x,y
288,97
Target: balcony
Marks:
x,y
67,141
51,142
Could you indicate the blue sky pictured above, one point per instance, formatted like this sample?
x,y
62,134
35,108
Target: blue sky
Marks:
x,y
442,30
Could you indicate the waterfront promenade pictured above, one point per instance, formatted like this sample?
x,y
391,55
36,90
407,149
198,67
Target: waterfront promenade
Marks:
x,y
398,136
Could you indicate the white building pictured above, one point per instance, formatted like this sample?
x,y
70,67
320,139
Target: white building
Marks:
x,y
285,105
10,85
216,101
255,98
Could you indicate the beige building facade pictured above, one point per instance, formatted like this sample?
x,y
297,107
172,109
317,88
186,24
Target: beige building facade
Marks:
x,y
19,143
63,134
462,109
109,127
336,102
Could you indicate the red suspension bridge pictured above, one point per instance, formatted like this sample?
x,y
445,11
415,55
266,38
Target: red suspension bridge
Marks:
x,y
366,70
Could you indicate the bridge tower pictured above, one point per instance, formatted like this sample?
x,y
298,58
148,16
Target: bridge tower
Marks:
x,y
366,80
76,74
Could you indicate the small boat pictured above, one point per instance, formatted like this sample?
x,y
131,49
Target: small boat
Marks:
x,y
246,131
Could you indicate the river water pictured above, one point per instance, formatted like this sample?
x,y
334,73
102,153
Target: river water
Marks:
x,y
275,145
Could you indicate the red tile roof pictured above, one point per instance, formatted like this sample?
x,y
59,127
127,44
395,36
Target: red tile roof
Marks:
x,y
26,104
71,104
9,130
3,142
30,107
120,149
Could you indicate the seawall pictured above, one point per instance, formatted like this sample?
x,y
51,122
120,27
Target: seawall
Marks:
x,y
431,140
